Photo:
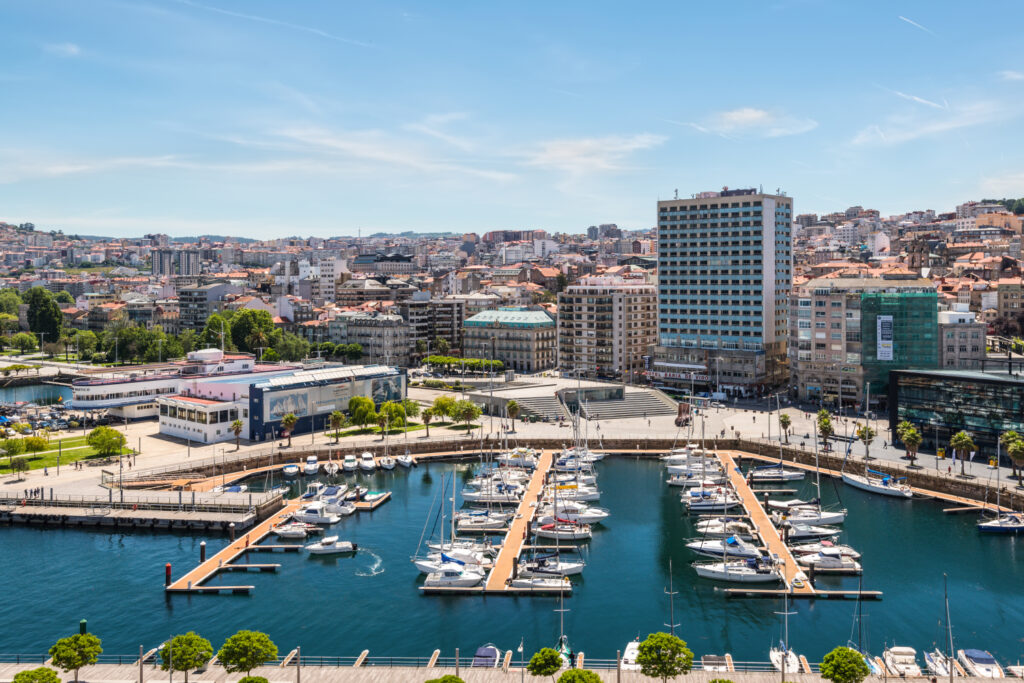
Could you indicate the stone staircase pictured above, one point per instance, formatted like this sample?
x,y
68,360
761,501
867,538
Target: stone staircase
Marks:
x,y
635,404
541,406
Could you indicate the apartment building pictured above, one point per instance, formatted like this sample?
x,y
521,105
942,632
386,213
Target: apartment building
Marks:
x,y
430,318
961,339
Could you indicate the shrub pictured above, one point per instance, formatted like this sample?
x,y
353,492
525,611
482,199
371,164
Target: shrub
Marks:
x,y
253,679
844,665
579,676
545,662
41,675
448,678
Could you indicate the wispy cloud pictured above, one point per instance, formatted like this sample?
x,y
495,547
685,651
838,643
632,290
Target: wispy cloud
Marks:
x,y
276,22
1008,75
585,155
916,25
1008,185
915,98
898,129
751,122
63,49
432,126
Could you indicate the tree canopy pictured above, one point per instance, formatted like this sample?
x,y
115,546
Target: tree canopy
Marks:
x,y
246,650
545,662
74,652
251,328
44,316
106,440
664,656
185,652
844,665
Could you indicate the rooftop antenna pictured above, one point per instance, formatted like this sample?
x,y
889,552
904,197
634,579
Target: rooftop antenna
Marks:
x,y
677,193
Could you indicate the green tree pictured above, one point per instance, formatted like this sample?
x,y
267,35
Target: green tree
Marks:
x,y
443,406
86,341
963,445
561,282
71,654
579,676
866,434
216,333
664,656
185,652
8,322
64,297
41,675
13,447
270,356
24,341
512,408
190,341
44,316
245,651
337,419
288,423
466,411
441,345
236,429
248,326
844,665
1005,439
105,440
9,301
427,416
411,407
784,424
253,679
447,678
912,441
545,662
353,352
20,466
421,347
35,444
362,410
394,414
292,347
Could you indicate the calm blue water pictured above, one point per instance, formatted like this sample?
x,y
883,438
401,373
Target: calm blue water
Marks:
x,y
42,394
339,606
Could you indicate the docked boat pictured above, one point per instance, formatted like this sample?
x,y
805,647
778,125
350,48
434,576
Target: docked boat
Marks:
x,y
311,467
716,663
498,494
980,663
316,513
334,497
482,522
350,463
703,500
629,656
723,527
702,469
573,512
901,661
793,503
818,546
519,457
290,470
537,582
1011,523
725,547
694,480
784,659
881,483
486,657
387,463
810,515
564,531
748,571
483,547
550,565
290,531
356,493
373,496
774,473
367,463
452,574
583,454
574,478
807,532
331,546
829,558
313,490
405,461
572,492
938,664
331,468
434,562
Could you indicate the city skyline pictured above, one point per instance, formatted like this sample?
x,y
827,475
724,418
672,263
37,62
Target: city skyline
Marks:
x,y
258,120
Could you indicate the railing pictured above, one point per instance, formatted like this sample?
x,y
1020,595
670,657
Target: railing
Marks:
x,y
23,659
148,502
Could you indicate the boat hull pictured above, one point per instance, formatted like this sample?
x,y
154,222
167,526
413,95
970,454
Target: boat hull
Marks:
x,y
866,484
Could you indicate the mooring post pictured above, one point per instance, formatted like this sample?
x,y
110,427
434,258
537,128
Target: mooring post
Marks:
x,y
231,528
456,661
167,574
618,666
202,552
298,664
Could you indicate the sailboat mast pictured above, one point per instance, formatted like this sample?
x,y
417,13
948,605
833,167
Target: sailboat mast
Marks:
x,y
949,626
671,601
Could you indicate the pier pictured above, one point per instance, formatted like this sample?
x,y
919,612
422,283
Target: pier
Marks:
x,y
193,581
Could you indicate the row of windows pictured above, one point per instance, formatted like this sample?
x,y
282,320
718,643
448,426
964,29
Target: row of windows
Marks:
x,y
198,416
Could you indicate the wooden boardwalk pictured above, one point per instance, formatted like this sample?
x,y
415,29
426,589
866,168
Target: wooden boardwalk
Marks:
x,y
765,529
193,580
508,556
966,503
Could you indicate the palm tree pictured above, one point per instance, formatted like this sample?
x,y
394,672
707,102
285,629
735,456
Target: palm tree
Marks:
x,y
825,428
337,419
257,339
288,424
911,439
427,415
383,420
512,408
1007,438
784,424
866,434
1015,451
962,444
236,429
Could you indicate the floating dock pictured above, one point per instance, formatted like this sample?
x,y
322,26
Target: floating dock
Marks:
x,y
193,581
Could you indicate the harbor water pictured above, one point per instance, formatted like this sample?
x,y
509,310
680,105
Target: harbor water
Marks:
x,y
341,605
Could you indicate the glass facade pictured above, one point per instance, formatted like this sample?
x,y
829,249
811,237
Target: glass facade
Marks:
x,y
941,403
898,330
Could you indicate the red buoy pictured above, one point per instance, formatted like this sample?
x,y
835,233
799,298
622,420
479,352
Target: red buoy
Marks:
x,y
167,574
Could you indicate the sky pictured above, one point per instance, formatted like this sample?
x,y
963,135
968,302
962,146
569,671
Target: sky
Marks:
x,y
270,118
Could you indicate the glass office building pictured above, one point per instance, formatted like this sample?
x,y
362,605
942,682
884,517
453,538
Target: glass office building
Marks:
x,y
940,403
899,329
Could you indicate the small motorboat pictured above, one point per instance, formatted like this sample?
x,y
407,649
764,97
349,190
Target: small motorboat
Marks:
x,y
312,466
938,664
723,527
716,663
537,582
367,463
331,546
387,463
454,574
629,656
405,460
741,571
291,531
901,661
374,496
731,547
316,513
350,463
313,490
980,663
356,493
290,470
572,512
331,468
829,558
706,500
238,488
1011,523
487,657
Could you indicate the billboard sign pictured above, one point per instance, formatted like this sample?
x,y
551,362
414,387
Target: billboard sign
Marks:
x,y
883,328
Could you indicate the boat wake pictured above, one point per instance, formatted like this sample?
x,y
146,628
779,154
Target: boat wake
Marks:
x,y
375,568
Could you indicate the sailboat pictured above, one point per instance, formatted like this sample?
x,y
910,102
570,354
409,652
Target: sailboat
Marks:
x,y
858,623
1009,523
877,482
774,472
941,663
782,658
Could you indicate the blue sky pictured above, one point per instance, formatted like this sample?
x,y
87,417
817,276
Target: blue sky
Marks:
x,y
268,118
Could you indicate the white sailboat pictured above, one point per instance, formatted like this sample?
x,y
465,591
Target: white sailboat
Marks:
x,y
331,468
818,546
738,571
810,515
725,547
782,658
563,531
828,558
880,483
387,463
723,527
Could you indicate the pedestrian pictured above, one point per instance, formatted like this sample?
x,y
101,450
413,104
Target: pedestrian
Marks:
x,y
949,469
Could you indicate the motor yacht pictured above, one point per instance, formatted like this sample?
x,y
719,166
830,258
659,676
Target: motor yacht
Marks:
x,y
629,656
367,463
829,558
980,663
455,575
901,661
350,463
707,500
818,546
331,546
313,490
723,527
316,513
519,457
311,467
290,531
487,657
573,512
939,664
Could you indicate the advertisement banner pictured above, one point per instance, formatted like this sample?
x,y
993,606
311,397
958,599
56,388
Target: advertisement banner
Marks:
x,y
883,328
